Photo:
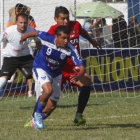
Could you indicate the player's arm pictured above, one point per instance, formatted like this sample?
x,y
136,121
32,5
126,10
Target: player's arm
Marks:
x,y
77,61
92,41
30,34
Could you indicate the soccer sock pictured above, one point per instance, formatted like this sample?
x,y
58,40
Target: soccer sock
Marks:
x,y
83,98
39,107
35,107
44,116
29,91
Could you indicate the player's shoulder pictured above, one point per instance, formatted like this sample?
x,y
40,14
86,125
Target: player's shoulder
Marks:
x,y
11,28
52,29
46,36
74,23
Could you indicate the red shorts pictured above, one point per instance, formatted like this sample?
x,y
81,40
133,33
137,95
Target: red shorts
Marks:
x,y
69,69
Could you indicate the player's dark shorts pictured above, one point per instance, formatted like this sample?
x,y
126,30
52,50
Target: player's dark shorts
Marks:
x,y
24,63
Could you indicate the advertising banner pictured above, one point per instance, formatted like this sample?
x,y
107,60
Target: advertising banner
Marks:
x,y
113,69
110,70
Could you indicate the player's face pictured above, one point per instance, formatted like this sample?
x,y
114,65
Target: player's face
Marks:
x,y
62,19
22,24
62,40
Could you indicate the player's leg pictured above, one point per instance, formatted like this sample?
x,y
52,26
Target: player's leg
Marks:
x,y
8,68
50,99
38,89
41,103
29,81
51,103
26,63
54,98
45,81
83,98
49,108
84,84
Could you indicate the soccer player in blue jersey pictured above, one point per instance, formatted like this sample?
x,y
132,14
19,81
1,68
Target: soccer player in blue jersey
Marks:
x,y
48,66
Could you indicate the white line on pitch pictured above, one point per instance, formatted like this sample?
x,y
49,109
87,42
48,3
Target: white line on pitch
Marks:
x,y
94,118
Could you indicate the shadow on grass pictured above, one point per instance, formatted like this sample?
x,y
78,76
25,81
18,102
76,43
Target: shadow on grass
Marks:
x,y
26,107
90,127
75,105
58,106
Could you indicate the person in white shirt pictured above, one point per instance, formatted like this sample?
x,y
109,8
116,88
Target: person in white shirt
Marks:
x,y
16,54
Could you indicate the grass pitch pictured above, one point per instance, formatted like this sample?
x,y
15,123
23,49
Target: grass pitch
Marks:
x,y
108,118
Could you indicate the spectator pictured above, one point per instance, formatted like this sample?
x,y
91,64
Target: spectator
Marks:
x,y
88,26
20,8
106,34
115,33
119,33
134,32
96,29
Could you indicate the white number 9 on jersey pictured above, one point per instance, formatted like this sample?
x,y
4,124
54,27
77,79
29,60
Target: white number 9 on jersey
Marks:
x,y
49,50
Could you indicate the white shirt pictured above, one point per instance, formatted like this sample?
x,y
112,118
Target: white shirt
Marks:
x,y
13,47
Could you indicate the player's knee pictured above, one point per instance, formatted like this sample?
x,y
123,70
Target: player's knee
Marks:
x,y
47,90
86,80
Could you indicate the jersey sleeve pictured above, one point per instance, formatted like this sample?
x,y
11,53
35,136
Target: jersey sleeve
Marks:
x,y
75,56
45,36
51,30
80,27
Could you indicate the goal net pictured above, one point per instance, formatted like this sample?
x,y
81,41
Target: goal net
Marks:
x,y
114,70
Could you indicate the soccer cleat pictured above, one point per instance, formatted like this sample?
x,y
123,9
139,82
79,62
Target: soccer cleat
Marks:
x,y
79,120
28,123
38,121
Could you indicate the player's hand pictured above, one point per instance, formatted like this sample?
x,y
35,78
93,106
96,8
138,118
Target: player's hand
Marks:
x,y
96,44
74,78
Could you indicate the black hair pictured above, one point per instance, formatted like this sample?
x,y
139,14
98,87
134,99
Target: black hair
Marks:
x,y
63,29
22,15
20,6
62,10
103,20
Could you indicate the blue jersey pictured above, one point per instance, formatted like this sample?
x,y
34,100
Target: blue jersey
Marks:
x,y
52,58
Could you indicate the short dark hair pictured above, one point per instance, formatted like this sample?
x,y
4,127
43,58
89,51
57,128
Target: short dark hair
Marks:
x,y
63,29
22,15
20,6
62,10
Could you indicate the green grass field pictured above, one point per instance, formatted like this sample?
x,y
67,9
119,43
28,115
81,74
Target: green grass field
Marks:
x,y
108,118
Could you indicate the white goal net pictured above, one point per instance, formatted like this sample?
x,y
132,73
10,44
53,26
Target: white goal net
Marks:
x,y
114,24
